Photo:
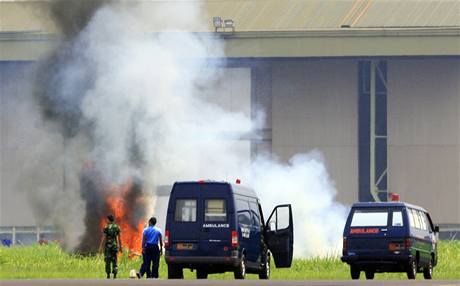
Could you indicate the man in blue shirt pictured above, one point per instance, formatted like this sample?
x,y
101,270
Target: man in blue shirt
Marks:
x,y
152,249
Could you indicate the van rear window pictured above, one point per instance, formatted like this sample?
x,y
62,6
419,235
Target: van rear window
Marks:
x,y
369,218
215,210
185,210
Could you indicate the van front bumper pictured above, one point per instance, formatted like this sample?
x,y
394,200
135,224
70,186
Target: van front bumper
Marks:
x,y
218,260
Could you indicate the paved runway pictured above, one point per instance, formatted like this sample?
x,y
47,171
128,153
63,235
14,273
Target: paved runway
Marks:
x,y
123,282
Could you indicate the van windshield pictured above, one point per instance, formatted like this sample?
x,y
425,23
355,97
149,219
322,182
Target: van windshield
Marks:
x,y
369,218
215,210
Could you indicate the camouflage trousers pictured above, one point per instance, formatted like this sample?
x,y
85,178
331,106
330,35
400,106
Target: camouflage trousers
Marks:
x,y
111,259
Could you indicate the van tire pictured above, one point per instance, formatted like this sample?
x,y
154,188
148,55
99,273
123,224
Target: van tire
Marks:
x,y
354,271
412,269
240,271
265,274
201,274
369,274
175,272
428,271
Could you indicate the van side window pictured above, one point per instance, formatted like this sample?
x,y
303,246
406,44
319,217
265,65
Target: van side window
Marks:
x,y
411,218
397,219
423,223
215,210
282,218
185,210
416,219
419,217
429,222
244,215
255,214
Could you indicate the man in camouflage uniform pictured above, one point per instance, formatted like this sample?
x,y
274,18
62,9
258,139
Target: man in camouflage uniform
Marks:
x,y
112,244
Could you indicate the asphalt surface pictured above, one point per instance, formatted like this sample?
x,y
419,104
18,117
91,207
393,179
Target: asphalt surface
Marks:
x,y
123,282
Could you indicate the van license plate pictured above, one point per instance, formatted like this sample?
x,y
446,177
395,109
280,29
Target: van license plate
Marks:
x,y
184,246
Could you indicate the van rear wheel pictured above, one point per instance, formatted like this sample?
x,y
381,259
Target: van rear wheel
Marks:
x,y
354,271
412,269
240,272
369,274
175,272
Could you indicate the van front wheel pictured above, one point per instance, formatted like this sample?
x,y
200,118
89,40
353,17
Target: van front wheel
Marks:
x,y
428,271
265,274
240,272
175,272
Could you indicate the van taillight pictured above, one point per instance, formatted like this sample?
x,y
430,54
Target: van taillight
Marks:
x,y
166,238
345,244
234,238
407,243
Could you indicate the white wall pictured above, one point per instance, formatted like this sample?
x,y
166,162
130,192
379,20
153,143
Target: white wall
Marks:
x,y
315,107
424,134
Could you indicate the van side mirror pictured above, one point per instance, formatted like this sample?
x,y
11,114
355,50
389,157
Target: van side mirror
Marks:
x,y
436,228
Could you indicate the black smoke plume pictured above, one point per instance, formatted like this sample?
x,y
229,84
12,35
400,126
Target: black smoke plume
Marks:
x,y
72,16
59,90
63,79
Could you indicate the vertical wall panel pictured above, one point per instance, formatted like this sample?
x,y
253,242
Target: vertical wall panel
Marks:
x,y
315,107
423,133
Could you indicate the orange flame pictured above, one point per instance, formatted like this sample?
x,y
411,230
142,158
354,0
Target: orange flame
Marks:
x,y
131,231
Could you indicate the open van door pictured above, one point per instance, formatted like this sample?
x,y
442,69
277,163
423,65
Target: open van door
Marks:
x,y
279,235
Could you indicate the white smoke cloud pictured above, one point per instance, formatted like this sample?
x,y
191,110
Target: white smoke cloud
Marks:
x,y
149,89
305,183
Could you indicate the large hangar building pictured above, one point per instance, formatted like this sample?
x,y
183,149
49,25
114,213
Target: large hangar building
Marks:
x,y
374,85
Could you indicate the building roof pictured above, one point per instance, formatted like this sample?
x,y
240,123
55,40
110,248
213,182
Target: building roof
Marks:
x,y
272,28
299,15
266,15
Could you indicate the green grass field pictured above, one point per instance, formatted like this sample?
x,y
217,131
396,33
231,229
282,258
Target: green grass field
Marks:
x,y
50,261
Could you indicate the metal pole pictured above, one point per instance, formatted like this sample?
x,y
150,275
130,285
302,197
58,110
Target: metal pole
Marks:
x,y
38,233
373,187
14,236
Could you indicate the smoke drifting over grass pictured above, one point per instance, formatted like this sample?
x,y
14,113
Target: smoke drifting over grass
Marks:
x,y
139,100
305,183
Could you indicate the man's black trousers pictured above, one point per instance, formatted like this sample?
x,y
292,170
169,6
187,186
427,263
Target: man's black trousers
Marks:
x,y
151,261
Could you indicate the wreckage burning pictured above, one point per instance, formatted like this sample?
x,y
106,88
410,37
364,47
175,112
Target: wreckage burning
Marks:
x,y
126,202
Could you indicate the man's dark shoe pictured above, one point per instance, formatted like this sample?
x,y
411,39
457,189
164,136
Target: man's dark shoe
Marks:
x,y
114,275
138,275
108,276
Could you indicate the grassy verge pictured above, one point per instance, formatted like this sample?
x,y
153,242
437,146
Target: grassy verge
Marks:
x,y
50,261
